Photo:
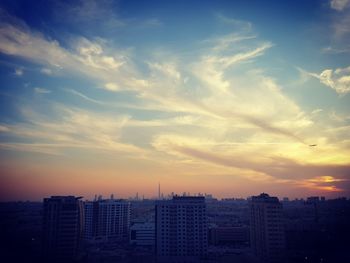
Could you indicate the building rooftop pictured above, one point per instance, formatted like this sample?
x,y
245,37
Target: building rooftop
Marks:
x,y
264,198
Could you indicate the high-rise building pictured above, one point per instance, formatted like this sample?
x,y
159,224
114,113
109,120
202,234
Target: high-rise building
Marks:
x,y
89,228
181,229
267,235
229,235
108,218
62,228
143,234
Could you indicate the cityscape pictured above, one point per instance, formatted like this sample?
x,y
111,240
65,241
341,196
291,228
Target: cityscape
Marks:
x,y
179,131
176,228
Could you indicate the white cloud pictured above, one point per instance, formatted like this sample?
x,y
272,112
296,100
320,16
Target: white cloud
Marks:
x,y
316,111
19,41
339,5
211,68
81,95
92,54
338,79
215,96
225,42
4,128
19,72
46,71
91,58
72,129
111,86
167,69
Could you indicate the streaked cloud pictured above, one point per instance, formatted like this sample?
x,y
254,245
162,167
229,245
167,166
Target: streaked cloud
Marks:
x,y
332,50
338,79
72,128
81,95
219,107
153,22
41,90
236,23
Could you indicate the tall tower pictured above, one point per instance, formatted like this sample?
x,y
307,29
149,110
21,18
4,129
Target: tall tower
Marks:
x,y
62,228
181,229
267,235
158,191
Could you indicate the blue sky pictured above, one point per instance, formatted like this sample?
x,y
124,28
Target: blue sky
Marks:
x,y
203,96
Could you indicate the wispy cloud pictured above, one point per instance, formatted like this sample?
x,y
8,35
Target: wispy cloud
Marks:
x,y
216,108
72,128
235,23
41,90
119,74
338,79
339,5
89,12
333,50
46,71
81,95
153,22
279,169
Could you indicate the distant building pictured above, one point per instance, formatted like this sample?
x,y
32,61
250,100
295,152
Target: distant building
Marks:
x,y
181,229
229,235
267,235
313,199
109,219
285,199
143,234
62,228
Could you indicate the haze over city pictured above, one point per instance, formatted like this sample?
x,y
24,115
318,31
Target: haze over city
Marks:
x,y
231,98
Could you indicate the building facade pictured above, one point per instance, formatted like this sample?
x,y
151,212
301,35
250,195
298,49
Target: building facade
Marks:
x,y
109,218
143,234
181,229
229,235
267,234
62,228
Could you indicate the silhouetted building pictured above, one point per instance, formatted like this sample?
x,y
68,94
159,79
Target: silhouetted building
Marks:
x,y
89,228
181,229
62,228
313,199
143,234
267,235
229,235
108,219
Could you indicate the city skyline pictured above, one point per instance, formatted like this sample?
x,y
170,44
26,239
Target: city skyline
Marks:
x,y
222,97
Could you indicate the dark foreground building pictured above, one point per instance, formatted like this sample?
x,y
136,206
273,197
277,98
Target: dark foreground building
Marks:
x,y
181,229
267,234
108,219
62,228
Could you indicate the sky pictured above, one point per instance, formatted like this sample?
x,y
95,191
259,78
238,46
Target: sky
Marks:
x,y
232,98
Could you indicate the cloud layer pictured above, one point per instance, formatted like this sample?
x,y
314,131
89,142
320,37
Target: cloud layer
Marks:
x,y
215,111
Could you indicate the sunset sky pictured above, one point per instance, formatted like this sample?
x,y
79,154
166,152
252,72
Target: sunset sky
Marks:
x,y
232,98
